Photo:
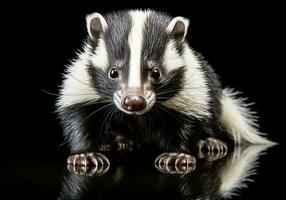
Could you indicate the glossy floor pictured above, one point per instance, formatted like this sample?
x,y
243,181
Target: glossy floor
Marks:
x,y
246,173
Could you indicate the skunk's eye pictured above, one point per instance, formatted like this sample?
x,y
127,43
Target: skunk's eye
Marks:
x,y
113,73
155,74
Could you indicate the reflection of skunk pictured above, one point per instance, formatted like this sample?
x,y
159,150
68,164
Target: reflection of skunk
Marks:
x,y
210,180
223,179
137,72
236,171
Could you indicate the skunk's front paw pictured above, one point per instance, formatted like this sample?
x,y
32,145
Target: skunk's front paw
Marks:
x,y
89,158
88,164
175,163
212,149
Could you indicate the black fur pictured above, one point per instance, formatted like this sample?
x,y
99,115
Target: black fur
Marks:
x,y
170,85
116,36
89,124
160,126
155,37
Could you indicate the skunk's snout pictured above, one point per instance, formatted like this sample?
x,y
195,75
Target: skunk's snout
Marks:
x,y
133,103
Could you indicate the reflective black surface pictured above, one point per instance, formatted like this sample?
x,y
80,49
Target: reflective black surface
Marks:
x,y
245,173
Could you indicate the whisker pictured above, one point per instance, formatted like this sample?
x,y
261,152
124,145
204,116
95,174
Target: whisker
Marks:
x,y
80,94
171,114
50,93
106,114
97,89
165,110
98,110
157,115
114,111
103,101
103,91
109,118
58,95
169,91
164,82
79,80
162,98
176,90
182,101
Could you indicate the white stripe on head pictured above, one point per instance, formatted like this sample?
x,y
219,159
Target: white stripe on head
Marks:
x,y
172,60
100,57
135,43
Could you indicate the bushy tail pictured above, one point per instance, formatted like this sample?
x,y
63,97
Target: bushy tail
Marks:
x,y
239,121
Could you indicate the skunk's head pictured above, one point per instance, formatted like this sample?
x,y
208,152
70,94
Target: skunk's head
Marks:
x,y
136,57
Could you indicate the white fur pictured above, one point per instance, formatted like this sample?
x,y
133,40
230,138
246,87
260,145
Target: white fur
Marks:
x,y
135,43
238,168
92,16
76,86
194,98
172,59
100,56
239,121
173,23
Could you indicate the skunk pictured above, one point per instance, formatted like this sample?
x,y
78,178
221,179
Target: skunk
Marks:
x,y
138,77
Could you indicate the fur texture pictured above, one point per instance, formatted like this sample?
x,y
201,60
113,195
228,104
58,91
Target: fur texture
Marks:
x,y
185,104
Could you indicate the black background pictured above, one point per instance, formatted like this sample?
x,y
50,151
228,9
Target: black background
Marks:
x,y
241,40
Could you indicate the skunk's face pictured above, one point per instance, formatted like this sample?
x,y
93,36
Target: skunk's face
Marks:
x,y
136,58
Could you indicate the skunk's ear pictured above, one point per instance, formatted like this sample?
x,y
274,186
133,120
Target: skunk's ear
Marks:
x,y
178,28
96,25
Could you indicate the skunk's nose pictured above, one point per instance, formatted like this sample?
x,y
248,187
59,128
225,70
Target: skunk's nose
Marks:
x,y
133,103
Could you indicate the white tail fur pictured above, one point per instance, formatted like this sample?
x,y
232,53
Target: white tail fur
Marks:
x,y
239,167
239,121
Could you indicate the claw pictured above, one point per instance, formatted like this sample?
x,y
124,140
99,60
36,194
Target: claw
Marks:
x,y
214,149
158,159
83,159
88,164
175,163
221,148
93,159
